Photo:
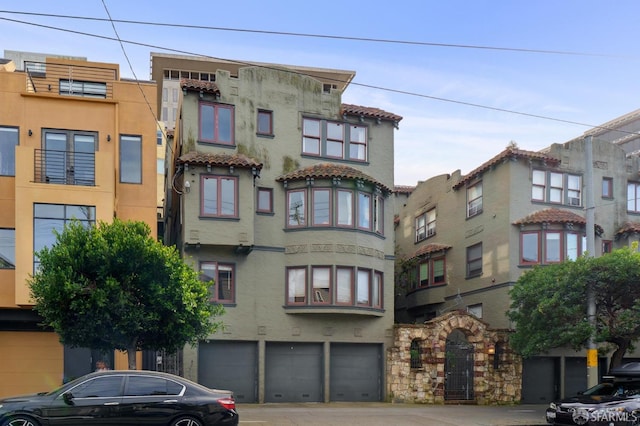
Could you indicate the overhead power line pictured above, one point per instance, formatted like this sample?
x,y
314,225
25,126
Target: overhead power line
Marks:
x,y
308,35
403,92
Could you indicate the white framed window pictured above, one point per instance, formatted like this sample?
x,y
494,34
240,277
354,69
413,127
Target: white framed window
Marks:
x,y
556,187
474,199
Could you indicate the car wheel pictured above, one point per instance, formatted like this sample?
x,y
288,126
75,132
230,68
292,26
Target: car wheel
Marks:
x,y
186,421
20,421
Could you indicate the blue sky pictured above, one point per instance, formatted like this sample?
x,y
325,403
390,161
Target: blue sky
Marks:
x,y
441,132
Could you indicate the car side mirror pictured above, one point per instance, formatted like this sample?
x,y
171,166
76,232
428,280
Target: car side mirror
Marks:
x,y
68,398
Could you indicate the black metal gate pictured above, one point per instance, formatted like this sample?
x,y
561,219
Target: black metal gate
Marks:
x,y
458,367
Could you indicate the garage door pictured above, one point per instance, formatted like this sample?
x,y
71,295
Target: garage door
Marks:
x,y
540,384
356,372
293,372
230,365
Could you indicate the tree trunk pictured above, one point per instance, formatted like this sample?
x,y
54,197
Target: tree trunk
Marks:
x,y
131,354
618,354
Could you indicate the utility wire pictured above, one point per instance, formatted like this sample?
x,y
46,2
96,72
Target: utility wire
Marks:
x,y
309,35
135,76
403,92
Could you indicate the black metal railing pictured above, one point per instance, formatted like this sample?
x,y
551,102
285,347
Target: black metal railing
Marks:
x,y
65,167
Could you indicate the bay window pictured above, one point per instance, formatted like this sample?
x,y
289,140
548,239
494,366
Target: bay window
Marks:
x,y
321,284
334,285
321,200
550,246
296,286
218,196
296,206
335,207
364,211
345,208
344,286
363,288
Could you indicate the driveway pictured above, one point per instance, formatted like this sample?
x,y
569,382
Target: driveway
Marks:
x,y
384,414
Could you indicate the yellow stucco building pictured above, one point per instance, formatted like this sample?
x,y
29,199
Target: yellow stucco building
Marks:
x,y
76,141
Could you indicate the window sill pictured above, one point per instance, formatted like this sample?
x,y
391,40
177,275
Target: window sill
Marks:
x,y
334,309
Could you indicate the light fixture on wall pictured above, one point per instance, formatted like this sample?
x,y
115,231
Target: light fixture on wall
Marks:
x,y
108,138
491,349
30,132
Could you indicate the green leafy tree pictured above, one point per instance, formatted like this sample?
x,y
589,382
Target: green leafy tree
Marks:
x,y
112,286
549,305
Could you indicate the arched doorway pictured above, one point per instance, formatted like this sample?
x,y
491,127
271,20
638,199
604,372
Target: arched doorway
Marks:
x,y
458,367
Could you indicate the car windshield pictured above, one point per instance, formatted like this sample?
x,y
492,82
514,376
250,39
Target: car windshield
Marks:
x,y
614,389
600,389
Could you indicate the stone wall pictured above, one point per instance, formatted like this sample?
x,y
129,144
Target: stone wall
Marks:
x,y
497,377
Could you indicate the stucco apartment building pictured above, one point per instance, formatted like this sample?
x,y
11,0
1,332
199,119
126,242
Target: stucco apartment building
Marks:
x,y
463,240
76,141
281,193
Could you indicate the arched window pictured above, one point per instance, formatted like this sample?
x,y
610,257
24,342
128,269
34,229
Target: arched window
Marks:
x,y
414,350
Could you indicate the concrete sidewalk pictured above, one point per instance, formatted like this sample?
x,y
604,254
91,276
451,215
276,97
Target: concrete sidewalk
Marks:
x,y
385,414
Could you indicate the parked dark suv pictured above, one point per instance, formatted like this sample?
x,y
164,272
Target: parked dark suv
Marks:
x,y
614,402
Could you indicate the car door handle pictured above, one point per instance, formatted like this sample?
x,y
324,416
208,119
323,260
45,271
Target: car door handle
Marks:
x,y
112,403
172,401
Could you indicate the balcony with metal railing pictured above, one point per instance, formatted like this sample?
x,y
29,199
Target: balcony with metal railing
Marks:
x,y
64,167
70,79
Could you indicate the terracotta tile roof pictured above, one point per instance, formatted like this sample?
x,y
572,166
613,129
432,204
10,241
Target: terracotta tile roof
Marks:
x,y
628,228
552,215
430,248
369,112
205,86
507,153
328,171
403,189
202,159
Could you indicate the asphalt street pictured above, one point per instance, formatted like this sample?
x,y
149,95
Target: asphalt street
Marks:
x,y
386,414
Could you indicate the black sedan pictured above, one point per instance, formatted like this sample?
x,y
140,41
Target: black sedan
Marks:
x,y
127,397
610,403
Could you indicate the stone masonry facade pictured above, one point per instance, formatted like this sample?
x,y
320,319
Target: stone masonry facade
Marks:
x,y
417,372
